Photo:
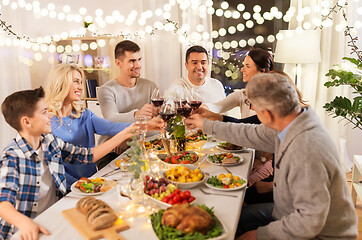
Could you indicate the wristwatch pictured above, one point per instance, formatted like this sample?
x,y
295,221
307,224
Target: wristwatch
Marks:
x,y
263,159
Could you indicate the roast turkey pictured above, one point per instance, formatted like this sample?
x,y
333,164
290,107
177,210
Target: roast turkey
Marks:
x,y
187,218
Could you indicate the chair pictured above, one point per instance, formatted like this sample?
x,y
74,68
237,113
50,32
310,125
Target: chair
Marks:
x,y
356,173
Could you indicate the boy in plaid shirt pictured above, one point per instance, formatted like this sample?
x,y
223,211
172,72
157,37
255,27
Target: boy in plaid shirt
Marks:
x,y
31,167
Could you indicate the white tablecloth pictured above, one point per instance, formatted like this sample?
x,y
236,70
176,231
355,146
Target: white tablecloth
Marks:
x,y
227,209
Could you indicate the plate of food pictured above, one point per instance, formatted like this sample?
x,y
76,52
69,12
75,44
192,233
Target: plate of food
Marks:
x,y
227,159
225,182
185,177
196,222
154,144
165,193
229,147
120,162
92,186
196,136
186,157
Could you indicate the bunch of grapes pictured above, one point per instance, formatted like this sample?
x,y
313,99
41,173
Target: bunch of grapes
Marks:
x,y
158,188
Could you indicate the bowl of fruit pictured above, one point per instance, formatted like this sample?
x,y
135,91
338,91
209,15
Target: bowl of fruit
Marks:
x,y
165,193
185,177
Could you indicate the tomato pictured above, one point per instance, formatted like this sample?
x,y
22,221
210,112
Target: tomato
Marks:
x,y
187,193
185,201
171,202
185,162
183,196
229,155
194,157
174,160
167,159
191,198
184,153
177,191
177,199
166,199
225,186
82,189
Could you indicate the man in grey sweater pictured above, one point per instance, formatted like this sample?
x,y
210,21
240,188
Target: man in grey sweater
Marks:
x,y
128,96
311,196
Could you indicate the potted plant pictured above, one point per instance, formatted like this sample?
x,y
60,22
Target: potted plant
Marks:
x,y
348,73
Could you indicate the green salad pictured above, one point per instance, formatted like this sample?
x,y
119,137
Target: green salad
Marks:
x,y
167,232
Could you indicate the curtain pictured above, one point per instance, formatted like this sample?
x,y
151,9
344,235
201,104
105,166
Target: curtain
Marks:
x,y
14,75
333,48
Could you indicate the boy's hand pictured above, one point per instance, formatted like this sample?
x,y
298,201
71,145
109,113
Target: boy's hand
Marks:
x,y
194,121
29,230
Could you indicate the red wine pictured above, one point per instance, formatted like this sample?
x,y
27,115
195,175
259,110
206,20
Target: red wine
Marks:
x,y
157,102
181,103
184,111
167,115
195,104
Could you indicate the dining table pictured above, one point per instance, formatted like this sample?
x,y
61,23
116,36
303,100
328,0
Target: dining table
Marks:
x,y
226,205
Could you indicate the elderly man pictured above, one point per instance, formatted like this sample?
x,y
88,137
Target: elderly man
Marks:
x,y
196,85
311,196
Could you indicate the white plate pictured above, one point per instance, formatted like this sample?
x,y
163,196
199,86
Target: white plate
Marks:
x,y
227,164
225,189
162,204
79,192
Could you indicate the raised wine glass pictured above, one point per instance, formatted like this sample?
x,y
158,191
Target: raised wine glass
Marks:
x,y
168,110
156,100
195,102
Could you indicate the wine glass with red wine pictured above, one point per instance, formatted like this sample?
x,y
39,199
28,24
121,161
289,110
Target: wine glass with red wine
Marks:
x,y
195,102
156,100
168,110
183,108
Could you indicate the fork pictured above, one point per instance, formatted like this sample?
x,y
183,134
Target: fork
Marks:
x,y
208,193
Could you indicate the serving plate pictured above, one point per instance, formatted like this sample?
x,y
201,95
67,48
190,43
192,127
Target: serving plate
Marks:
x,y
241,159
225,189
220,237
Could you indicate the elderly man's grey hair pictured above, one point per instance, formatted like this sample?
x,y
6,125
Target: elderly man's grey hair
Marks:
x,y
274,92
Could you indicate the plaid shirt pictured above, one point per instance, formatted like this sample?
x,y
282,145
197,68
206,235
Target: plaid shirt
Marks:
x,y
20,173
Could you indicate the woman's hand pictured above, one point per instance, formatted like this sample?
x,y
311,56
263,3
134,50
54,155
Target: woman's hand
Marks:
x,y
251,235
194,121
155,124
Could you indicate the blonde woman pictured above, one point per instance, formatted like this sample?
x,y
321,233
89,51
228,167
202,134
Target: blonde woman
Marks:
x,y
72,122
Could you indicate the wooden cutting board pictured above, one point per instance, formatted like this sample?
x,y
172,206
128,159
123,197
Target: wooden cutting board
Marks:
x,y
78,220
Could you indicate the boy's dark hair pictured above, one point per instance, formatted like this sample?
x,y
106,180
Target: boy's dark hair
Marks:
x,y
197,49
19,104
124,46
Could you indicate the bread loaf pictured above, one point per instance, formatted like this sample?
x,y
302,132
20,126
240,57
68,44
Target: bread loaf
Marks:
x,y
99,214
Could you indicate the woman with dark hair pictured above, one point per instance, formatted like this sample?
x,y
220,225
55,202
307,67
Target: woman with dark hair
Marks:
x,y
256,61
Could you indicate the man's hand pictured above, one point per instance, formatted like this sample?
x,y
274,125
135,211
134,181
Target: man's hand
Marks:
x,y
263,187
155,124
194,121
29,230
251,235
148,110
208,114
